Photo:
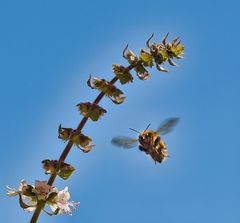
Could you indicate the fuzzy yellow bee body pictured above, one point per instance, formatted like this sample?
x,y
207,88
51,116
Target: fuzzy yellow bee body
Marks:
x,y
152,144
149,141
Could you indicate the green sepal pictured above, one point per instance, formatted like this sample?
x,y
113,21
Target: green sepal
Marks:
x,y
82,142
177,51
91,110
53,213
64,133
65,171
160,68
130,57
163,55
50,166
146,58
28,191
122,74
22,204
107,88
142,73
51,197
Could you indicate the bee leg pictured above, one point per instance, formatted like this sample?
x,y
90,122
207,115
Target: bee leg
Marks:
x,y
141,148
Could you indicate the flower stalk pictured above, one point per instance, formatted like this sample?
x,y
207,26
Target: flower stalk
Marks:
x,y
35,198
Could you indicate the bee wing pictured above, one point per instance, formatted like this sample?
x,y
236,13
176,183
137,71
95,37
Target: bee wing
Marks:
x,y
167,125
125,142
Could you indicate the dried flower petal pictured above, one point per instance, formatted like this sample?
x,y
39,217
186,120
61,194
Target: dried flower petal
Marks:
x,y
172,63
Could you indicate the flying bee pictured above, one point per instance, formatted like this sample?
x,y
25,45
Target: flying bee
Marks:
x,y
149,141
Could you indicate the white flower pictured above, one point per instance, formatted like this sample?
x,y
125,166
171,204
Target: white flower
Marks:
x,y
30,202
61,202
22,188
12,191
42,189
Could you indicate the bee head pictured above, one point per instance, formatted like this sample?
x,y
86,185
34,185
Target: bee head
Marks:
x,y
145,136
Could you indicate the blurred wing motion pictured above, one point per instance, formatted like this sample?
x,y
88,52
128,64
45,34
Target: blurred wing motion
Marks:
x,y
125,142
167,125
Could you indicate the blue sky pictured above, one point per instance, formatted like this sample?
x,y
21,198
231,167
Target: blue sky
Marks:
x,y
48,50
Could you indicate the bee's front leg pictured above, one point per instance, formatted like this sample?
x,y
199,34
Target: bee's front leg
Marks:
x,y
143,149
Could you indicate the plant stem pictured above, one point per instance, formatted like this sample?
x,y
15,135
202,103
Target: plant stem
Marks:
x,y
64,154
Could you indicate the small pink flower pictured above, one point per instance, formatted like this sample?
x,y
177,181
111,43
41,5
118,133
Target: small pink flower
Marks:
x,y
42,189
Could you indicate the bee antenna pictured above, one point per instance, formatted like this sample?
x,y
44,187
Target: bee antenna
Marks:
x,y
147,127
134,130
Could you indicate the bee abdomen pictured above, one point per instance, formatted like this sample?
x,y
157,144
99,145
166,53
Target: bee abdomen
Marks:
x,y
160,152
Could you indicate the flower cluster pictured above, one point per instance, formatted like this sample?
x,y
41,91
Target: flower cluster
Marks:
x,y
29,196
78,139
